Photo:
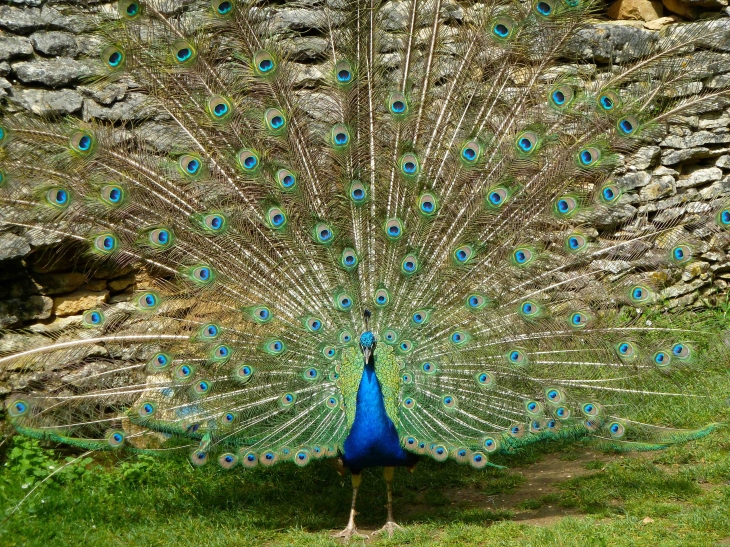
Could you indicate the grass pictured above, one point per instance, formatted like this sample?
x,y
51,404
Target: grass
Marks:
x,y
684,490
677,497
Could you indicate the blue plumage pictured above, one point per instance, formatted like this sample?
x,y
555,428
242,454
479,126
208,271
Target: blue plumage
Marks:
x,y
373,440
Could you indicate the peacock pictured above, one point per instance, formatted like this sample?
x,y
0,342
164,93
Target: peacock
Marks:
x,y
392,257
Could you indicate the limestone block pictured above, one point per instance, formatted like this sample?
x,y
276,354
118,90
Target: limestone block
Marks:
x,y
658,24
59,283
78,302
12,246
637,10
46,102
52,72
121,283
14,47
658,188
31,308
55,43
699,176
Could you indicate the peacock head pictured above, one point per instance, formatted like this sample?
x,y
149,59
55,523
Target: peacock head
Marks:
x,y
367,344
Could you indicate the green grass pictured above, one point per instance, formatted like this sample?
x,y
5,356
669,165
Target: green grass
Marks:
x,y
144,501
677,497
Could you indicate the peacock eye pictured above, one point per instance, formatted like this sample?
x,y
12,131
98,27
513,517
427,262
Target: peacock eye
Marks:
x,y
343,73
428,204
222,7
527,142
248,160
409,165
286,179
183,52
398,104
382,297
113,57
340,135
471,151
358,192
393,228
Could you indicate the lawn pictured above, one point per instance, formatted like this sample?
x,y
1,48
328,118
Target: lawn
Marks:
x,y
550,494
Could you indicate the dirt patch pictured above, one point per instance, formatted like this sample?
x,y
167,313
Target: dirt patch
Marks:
x,y
541,479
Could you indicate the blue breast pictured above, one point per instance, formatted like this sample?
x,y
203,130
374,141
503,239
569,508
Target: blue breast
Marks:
x,y
373,440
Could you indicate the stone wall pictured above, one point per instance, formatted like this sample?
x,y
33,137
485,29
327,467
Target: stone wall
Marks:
x,y
45,57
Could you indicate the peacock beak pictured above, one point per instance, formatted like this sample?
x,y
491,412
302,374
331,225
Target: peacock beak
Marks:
x,y
367,352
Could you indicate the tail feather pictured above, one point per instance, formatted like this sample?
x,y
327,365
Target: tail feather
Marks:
x,y
446,174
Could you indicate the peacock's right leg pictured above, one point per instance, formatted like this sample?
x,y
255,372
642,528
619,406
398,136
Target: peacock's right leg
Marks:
x,y
351,530
390,525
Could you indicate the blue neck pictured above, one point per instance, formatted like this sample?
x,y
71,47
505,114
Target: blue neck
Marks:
x,y
373,440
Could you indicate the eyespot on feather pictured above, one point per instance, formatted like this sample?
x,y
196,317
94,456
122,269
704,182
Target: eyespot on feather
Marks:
x,y
214,223
160,238
627,126
393,229
113,195
358,192
502,28
575,243
589,156
340,135
323,233
381,298
286,179
470,152
93,318
565,206
409,265
219,108
275,120
222,8
609,193
248,160
82,142
497,197
527,143
113,57
428,204
349,259
343,73
148,301
463,254
398,104
129,9
343,301
276,218
409,165
183,53
545,8
562,97
191,166
608,101
264,63
105,244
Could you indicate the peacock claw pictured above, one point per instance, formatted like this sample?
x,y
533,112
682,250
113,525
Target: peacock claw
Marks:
x,y
349,533
389,527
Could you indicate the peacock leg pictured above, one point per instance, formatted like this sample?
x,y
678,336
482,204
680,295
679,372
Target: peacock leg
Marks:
x,y
390,524
351,530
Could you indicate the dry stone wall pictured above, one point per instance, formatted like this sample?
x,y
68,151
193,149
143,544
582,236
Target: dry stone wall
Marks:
x,y
46,57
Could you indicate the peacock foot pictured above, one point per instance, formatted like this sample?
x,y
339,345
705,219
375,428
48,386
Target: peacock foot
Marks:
x,y
349,533
389,528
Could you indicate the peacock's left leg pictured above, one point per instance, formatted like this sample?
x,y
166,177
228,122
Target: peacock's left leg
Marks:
x,y
390,524
351,530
